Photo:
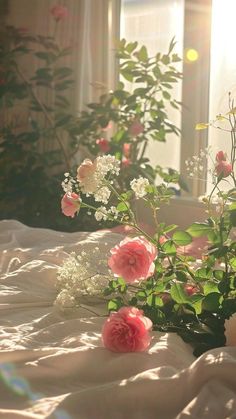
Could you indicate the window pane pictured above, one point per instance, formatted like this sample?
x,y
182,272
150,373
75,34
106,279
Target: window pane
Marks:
x,y
223,69
154,23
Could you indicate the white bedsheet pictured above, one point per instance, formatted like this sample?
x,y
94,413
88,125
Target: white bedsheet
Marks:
x,y
69,372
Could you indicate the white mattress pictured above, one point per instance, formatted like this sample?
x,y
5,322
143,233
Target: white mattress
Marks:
x,y
68,372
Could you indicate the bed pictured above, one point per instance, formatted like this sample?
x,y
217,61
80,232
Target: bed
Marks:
x,y
52,366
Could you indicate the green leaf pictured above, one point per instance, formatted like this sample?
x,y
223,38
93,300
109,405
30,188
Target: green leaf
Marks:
x,y
210,287
123,206
142,54
62,72
178,293
212,302
181,238
127,75
232,263
166,95
199,229
169,248
115,304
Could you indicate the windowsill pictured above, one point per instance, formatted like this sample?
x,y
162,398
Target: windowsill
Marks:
x,y
182,211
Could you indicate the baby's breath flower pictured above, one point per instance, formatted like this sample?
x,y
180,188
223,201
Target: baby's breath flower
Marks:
x,y
101,214
102,195
139,186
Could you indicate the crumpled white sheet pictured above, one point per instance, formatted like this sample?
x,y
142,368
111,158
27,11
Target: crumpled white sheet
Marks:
x,y
62,360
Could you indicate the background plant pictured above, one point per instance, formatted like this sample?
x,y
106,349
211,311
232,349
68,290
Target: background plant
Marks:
x,y
40,134
125,120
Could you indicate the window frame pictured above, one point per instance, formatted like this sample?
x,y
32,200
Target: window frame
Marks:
x,y
195,108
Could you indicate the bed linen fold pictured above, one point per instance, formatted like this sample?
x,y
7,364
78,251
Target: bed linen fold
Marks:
x,y
62,360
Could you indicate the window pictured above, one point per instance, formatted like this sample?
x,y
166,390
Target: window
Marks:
x,y
154,23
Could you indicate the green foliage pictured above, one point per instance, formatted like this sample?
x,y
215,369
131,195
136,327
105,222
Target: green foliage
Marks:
x,y
185,295
141,97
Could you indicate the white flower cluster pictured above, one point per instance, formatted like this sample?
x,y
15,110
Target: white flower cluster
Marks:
x,y
102,195
218,201
102,213
93,184
68,183
139,186
107,164
197,165
79,276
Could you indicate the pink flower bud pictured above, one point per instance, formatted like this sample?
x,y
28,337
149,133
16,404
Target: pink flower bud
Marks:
x,y
190,289
126,150
59,12
220,156
103,144
223,168
125,163
136,128
70,204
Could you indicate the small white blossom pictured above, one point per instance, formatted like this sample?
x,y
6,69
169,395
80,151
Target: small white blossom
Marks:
x,y
139,186
101,214
80,276
102,195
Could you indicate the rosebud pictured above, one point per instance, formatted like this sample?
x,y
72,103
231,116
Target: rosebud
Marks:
x,y
136,128
125,163
103,144
220,156
190,289
59,12
70,204
126,149
223,168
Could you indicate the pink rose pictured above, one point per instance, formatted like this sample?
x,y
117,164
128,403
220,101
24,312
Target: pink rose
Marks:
x,y
136,128
86,170
220,156
127,331
103,144
223,168
230,331
127,150
70,204
59,12
132,259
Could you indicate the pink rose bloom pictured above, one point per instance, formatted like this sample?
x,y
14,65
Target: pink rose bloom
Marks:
x,y
127,331
70,204
230,331
132,259
136,128
103,144
86,170
220,156
223,168
59,12
126,149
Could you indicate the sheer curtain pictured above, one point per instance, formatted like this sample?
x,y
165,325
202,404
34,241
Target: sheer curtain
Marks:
x,y
86,30
154,23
